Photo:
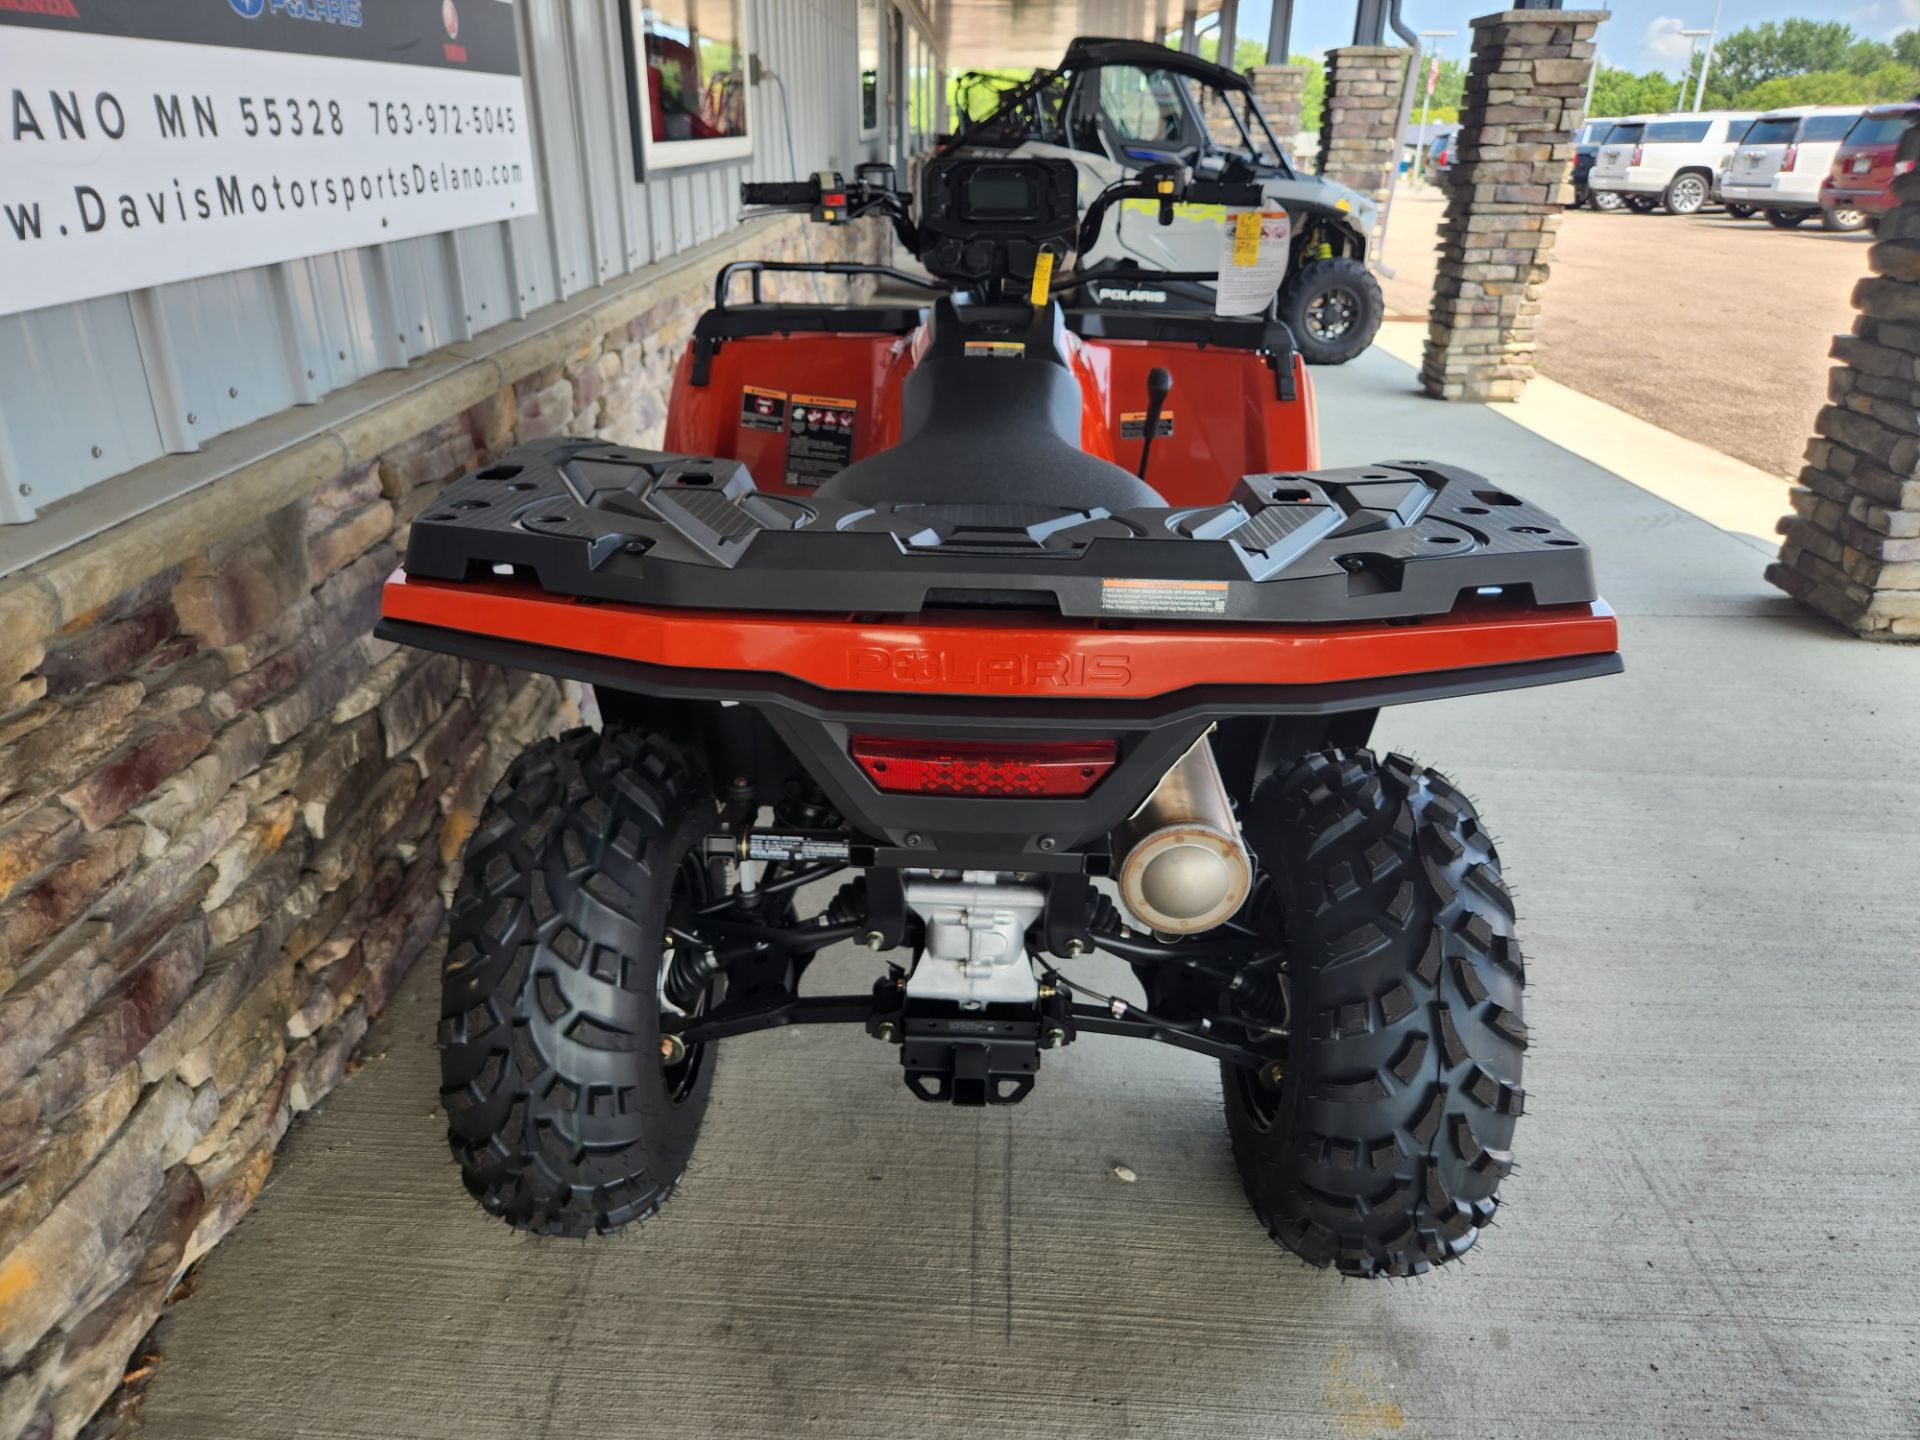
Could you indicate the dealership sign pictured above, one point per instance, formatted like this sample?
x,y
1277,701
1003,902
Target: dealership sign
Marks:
x,y
143,141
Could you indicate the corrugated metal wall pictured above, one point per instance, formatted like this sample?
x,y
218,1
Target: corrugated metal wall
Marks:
x,y
93,389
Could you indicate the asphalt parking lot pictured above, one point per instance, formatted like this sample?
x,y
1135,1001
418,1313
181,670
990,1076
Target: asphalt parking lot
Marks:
x,y
1711,327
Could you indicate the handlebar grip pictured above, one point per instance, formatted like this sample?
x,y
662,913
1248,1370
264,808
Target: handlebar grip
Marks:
x,y
780,192
1225,192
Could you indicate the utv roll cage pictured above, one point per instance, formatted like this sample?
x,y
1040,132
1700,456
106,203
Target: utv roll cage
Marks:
x,y
1037,108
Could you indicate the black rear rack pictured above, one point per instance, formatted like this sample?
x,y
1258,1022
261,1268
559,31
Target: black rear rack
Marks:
x,y
608,522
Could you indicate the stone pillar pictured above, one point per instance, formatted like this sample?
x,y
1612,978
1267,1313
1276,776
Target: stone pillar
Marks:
x,y
1852,546
1357,143
1525,93
1281,92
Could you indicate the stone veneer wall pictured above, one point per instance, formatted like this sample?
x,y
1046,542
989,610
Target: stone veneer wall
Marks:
x,y
1357,146
1281,92
230,819
1852,545
1525,97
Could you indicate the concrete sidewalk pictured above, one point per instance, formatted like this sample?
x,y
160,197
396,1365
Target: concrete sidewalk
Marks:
x,y
1710,1234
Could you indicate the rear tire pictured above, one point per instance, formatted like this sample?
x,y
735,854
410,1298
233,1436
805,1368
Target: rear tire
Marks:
x,y
1844,218
1685,193
1642,204
1381,1149
1784,219
561,1112
1742,212
1609,200
1334,308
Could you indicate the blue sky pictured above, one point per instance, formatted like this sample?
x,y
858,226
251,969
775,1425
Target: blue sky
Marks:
x,y
1640,36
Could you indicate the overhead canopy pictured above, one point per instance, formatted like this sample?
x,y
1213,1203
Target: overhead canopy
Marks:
x,y
997,34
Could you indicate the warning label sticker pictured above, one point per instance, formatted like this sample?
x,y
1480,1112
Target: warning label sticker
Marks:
x,y
819,438
995,349
1193,598
1133,425
763,409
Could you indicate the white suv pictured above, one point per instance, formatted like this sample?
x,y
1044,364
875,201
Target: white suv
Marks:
x,y
1779,164
1669,160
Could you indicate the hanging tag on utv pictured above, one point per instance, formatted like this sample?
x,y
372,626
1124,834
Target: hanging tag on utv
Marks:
x,y
1254,246
1042,277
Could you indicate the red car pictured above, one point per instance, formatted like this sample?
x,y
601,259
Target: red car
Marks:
x,y
1859,190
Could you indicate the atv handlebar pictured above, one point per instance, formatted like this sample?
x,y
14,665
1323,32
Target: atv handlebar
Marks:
x,y
1170,185
781,192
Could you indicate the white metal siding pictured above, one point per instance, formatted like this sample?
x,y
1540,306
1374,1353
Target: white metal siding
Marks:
x,y
93,389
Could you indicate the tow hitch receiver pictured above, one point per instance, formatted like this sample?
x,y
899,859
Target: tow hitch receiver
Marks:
x,y
970,1059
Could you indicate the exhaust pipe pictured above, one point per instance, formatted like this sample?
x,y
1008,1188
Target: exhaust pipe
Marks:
x,y
1184,868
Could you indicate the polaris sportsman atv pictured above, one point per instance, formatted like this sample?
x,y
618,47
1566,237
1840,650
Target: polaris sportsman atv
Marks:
x,y
1038,632
1117,106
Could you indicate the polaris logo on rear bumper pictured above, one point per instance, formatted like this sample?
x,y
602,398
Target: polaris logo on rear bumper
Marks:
x,y
1109,296
1008,670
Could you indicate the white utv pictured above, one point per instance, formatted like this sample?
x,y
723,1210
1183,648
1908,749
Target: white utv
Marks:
x,y
1115,106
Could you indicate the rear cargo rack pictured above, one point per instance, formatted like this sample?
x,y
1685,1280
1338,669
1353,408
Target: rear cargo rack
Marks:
x,y
585,519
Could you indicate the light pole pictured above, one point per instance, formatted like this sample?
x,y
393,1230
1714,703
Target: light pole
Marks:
x,y
1693,48
1700,89
1426,103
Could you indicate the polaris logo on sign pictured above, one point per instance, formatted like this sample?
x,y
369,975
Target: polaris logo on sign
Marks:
x,y
1108,295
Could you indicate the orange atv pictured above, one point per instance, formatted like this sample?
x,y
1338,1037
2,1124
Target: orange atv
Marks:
x,y
1038,631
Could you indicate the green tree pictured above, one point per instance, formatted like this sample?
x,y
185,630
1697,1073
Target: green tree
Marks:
x,y
1314,100
1906,48
1818,87
1896,80
1621,92
1765,52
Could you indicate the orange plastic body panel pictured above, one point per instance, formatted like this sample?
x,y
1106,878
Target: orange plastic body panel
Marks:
x,y
863,369
1004,656
1227,419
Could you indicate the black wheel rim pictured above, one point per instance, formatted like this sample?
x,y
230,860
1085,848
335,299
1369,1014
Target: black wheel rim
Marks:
x,y
1332,313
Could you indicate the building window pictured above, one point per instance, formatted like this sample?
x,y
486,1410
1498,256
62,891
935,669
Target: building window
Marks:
x,y
687,77
869,60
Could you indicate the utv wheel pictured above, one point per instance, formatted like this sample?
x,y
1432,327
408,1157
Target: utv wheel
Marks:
x,y
1609,200
1843,218
561,1109
1685,193
1784,219
1334,308
1381,1146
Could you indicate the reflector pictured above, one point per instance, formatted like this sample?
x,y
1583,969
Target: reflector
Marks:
x,y
1007,768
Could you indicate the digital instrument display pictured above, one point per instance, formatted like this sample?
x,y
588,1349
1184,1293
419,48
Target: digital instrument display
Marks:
x,y
999,193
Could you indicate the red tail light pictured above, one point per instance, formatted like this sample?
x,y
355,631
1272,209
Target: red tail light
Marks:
x,y
1793,154
1016,768
1638,150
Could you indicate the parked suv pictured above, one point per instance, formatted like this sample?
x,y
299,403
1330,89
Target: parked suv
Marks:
x,y
1586,147
1858,189
1614,153
1671,161
1779,165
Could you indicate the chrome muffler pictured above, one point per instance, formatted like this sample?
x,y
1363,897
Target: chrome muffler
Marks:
x,y
1183,866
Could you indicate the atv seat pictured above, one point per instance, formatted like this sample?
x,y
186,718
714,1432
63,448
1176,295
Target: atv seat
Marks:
x,y
991,432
